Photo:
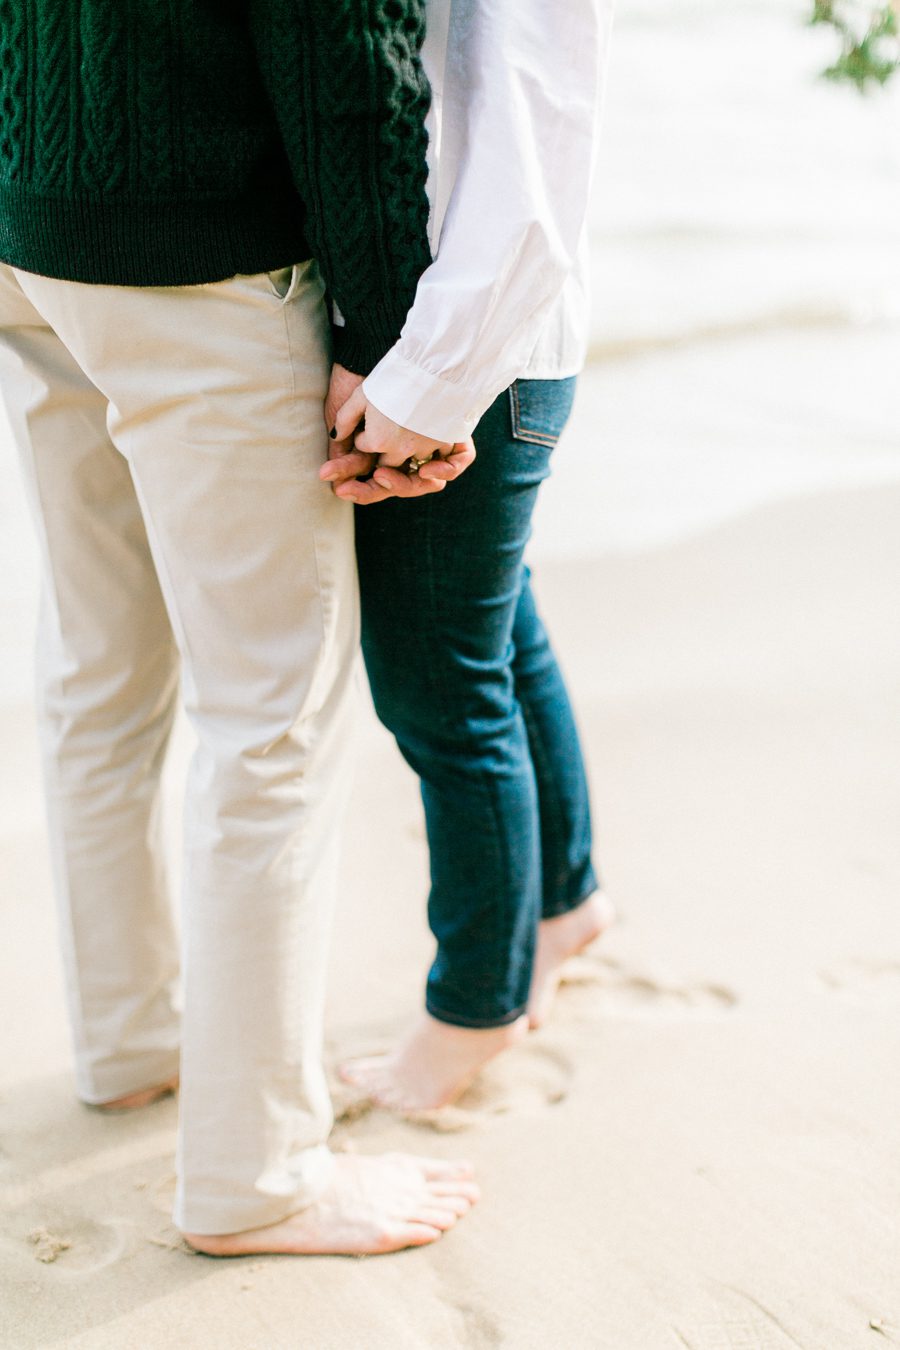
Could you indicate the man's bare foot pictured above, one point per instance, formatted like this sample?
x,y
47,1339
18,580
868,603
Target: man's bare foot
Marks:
x,y
133,1100
432,1065
558,939
374,1204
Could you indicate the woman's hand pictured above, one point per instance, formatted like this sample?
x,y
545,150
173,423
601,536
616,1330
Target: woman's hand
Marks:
x,y
380,448
393,444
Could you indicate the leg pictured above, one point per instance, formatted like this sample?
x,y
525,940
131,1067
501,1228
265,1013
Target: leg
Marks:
x,y
565,814
216,402
441,580
574,912
107,678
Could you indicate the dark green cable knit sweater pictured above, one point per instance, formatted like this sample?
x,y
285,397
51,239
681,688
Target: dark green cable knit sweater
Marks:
x,y
175,142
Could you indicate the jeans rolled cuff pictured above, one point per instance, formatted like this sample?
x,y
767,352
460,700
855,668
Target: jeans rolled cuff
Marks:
x,y
560,907
474,1023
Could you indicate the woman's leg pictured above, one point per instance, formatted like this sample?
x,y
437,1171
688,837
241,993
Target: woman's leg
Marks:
x,y
565,815
441,580
573,910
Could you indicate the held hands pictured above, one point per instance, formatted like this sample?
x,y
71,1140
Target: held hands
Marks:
x,y
380,449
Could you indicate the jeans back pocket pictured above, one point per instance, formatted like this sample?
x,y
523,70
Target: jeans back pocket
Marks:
x,y
539,409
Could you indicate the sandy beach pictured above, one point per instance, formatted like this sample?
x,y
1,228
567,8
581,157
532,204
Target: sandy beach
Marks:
x,y
701,1150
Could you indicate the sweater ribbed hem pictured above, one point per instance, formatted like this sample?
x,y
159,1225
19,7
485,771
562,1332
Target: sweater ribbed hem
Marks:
x,y
361,350
149,243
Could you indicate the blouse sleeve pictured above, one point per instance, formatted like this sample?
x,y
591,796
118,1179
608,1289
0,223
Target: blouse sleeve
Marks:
x,y
521,104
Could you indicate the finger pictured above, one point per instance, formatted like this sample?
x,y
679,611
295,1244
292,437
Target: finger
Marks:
x,y
361,494
395,449
442,470
392,455
340,468
349,416
452,466
404,485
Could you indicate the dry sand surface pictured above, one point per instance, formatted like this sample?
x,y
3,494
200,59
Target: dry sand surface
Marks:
x,y
701,1149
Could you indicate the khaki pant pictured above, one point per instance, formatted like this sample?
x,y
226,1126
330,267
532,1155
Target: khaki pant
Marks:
x,y
171,439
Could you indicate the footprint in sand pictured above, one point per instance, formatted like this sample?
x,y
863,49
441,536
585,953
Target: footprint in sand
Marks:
x,y
78,1246
480,1329
527,1077
600,984
869,982
736,1321
729,1333
161,1193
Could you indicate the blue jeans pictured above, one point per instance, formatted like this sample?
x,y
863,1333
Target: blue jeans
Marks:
x,y
463,674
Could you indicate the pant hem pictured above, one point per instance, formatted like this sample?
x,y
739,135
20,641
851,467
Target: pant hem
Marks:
x,y
474,1023
566,906
219,1218
143,1073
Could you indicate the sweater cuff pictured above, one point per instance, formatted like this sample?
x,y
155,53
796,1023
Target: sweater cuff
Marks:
x,y
426,403
359,347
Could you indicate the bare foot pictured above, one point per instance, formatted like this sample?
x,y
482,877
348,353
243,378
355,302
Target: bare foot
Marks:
x,y
558,939
432,1065
143,1098
374,1204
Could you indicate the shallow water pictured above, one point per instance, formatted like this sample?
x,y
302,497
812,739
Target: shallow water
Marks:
x,y
736,189
746,247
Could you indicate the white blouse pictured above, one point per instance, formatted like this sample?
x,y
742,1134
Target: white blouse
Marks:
x,y
517,88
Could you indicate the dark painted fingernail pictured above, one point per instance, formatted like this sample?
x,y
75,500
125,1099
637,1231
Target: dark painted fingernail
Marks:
x,y
333,433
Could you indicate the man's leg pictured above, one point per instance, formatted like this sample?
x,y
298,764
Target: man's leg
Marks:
x,y
107,682
216,402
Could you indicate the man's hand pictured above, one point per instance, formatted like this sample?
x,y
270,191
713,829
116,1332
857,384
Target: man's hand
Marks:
x,y
345,408
386,482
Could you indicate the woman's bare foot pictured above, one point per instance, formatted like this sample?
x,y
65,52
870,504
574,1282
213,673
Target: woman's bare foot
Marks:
x,y
558,939
432,1065
374,1204
133,1100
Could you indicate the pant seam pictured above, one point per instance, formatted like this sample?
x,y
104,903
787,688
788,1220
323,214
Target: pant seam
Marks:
x,y
539,752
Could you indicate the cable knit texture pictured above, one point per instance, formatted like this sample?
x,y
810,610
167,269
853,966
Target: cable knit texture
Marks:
x,y
176,142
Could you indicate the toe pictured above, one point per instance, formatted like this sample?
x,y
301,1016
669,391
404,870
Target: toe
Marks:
x,y
444,1219
456,1204
440,1169
360,1070
413,1235
463,1190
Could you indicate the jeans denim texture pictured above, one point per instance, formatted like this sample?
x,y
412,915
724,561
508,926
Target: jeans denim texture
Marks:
x,y
463,674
